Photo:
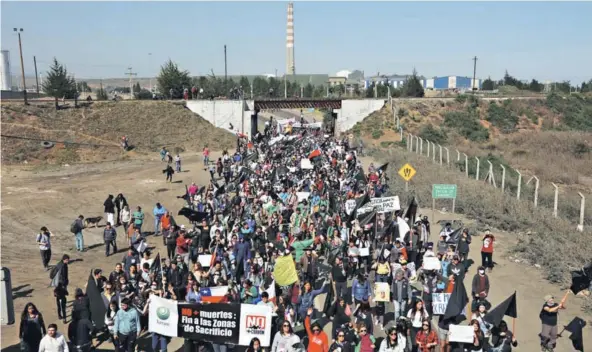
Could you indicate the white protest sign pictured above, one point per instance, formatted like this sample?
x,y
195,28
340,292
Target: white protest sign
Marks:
x,y
205,260
461,333
431,263
350,205
255,321
163,316
439,303
364,252
302,195
382,292
381,205
305,164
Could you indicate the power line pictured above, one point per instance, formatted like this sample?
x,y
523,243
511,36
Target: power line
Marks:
x,y
56,142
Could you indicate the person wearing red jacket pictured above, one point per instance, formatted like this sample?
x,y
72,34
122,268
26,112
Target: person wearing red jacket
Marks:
x,y
183,247
317,339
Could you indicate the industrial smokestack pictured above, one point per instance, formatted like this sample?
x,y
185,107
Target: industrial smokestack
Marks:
x,y
290,63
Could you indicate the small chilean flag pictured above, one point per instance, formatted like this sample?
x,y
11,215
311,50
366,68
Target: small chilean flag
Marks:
x,y
216,294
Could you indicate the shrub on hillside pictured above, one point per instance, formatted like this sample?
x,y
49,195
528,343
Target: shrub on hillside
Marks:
x,y
502,117
467,124
433,134
575,109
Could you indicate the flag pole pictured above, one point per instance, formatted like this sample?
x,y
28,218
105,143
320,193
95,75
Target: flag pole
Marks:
x,y
514,326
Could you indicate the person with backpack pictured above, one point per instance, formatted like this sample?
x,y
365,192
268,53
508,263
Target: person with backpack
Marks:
x,y
76,229
59,273
43,240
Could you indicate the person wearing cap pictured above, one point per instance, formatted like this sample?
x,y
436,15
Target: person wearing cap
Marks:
x,y
548,316
308,264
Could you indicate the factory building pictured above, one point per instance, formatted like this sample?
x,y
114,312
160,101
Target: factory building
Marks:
x,y
451,82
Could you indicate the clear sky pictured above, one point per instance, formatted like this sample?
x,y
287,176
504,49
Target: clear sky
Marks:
x,y
543,40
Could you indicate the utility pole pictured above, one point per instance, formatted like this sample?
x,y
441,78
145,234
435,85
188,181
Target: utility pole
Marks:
x,y
285,86
149,61
225,66
19,31
474,74
36,75
131,74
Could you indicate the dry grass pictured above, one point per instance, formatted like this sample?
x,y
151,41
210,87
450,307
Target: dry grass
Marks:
x,y
149,126
552,243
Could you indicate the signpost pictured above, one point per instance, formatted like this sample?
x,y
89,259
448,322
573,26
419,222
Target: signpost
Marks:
x,y
443,192
407,172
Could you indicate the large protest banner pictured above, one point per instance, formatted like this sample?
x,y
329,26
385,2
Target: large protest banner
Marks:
x,y
223,323
381,205
216,322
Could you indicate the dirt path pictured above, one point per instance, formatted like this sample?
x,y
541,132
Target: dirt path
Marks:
x,y
54,198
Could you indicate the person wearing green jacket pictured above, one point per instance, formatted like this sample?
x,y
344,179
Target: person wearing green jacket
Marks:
x,y
299,247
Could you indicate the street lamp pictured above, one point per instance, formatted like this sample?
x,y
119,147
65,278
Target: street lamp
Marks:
x,y
19,31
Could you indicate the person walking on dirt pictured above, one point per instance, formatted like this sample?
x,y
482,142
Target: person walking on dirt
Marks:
x,y
163,153
125,217
76,229
109,210
487,251
120,202
43,240
138,218
206,155
548,316
110,237
177,163
158,213
169,171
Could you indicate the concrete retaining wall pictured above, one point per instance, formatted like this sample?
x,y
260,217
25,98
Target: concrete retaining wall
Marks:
x,y
222,113
354,111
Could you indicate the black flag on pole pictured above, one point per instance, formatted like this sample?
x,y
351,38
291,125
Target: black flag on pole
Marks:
x,y
97,306
576,328
507,307
457,303
579,281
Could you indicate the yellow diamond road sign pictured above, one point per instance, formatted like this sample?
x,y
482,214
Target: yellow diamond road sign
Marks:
x,y
407,172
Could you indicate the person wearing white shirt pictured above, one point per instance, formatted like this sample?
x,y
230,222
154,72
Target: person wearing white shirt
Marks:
x,y
53,341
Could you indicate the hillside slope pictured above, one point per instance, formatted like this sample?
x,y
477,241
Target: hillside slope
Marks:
x,y
149,126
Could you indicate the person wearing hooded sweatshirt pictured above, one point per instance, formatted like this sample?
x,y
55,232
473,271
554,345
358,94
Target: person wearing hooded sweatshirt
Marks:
x,y
479,287
502,338
110,209
158,213
285,338
317,339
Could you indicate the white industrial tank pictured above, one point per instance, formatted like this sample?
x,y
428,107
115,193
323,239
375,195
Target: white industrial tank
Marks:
x,y
5,78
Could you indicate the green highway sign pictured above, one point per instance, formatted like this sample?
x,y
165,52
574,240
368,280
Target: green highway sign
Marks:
x,y
444,191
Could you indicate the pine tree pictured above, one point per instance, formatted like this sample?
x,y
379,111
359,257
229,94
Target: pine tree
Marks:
x,y
58,84
172,78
